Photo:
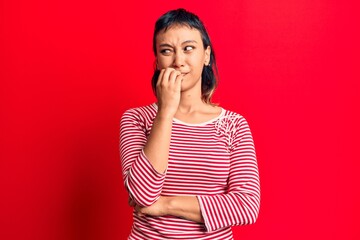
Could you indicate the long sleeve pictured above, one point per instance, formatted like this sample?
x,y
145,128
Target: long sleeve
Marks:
x,y
142,181
240,204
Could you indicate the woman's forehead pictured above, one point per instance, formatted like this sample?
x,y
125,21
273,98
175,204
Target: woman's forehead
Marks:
x,y
178,33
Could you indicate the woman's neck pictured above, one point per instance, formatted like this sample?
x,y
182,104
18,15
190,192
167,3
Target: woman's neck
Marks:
x,y
191,101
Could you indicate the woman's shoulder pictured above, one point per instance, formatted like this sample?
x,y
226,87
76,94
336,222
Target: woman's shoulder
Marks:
x,y
232,118
141,113
230,113
146,109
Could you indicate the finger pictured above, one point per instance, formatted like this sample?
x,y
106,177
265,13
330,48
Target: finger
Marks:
x,y
140,214
178,82
138,211
166,76
173,75
161,75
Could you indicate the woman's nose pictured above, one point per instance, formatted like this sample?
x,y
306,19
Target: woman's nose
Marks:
x,y
179,60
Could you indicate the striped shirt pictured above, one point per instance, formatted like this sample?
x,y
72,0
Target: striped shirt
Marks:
x,y
214,161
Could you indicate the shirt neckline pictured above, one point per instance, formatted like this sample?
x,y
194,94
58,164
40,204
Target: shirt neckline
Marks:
x,y
196,124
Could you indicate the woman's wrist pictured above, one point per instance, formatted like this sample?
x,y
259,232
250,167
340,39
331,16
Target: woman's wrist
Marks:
x,y
165,115
169,206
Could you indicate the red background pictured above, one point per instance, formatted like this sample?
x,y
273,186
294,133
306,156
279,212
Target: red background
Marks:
x,y
69,69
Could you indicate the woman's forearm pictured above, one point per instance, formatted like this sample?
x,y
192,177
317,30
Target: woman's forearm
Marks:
x,y
168,89
185,207
158,143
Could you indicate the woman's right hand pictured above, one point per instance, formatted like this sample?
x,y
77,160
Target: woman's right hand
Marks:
x,y
168,89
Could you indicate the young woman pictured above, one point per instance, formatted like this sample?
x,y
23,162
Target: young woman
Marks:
x,y
189,166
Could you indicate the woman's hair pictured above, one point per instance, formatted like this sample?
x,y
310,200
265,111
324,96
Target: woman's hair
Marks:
x,y
184,18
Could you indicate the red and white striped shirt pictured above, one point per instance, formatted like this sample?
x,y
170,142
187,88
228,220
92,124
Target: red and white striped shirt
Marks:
x,y
214,161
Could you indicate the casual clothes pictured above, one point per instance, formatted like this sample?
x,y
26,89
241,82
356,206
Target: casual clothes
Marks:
x,y
214,161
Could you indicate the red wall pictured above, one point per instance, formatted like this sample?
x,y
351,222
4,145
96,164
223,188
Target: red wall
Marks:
x,y
69,69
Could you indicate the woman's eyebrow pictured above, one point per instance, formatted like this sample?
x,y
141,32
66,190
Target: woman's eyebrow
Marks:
x,y
165,45
169,45
189,41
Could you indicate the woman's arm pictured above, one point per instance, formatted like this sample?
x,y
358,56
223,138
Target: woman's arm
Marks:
x,y
239,206
144,159
180,206
168,95
141,180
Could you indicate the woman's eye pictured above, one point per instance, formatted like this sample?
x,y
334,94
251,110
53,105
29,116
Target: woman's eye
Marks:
x,y
188,48
165,51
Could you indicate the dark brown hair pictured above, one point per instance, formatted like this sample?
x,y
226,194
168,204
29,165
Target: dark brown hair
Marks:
x,y
209,76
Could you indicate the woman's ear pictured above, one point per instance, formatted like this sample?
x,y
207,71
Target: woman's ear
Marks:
x,y
157,65
207,55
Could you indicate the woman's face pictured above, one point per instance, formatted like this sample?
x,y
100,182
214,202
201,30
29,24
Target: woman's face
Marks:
x,y
182,48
